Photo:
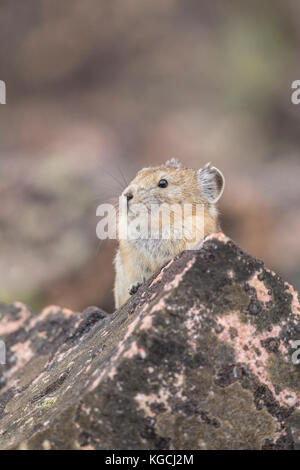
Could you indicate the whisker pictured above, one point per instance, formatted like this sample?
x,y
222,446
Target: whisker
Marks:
x,y
122,174
121,185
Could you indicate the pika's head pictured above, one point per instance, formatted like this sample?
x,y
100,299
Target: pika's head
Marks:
x,y
173,184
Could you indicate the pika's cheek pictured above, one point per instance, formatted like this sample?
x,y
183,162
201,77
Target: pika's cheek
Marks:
x,y
174,195
150,198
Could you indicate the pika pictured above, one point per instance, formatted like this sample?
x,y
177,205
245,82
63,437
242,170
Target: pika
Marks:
x,y
170,186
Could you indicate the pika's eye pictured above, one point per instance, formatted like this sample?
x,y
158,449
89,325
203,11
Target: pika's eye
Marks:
x,y
162,183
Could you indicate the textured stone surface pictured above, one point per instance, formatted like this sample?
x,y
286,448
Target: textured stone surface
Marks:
x,y
199,358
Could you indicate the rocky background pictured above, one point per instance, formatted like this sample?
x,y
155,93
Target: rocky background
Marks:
x,y
97,90
202,357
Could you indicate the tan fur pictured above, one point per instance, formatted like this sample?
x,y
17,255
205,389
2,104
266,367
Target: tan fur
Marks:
x,y
137,261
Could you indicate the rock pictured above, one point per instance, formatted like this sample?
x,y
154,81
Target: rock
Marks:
x,y
202,357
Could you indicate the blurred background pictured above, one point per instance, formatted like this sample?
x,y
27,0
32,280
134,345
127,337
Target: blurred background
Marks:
x,y
97,89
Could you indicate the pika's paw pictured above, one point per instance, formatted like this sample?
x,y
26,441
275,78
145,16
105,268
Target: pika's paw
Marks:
x,y
134,288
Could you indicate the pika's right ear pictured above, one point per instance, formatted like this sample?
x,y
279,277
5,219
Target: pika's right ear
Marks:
x,y
173,163
212,183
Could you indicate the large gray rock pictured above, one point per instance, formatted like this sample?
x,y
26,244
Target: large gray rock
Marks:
x,y
202,357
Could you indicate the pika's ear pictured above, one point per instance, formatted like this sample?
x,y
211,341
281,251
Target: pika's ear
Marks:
x,y
173,163
212,183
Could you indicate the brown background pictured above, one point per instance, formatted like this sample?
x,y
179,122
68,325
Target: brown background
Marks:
x,y
97,89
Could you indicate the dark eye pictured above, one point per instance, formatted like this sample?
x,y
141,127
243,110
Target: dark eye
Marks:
x,y
162,184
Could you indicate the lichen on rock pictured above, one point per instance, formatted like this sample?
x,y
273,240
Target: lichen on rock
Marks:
x,y
199,358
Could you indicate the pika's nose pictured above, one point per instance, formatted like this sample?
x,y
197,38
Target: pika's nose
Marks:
x,y
128,195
